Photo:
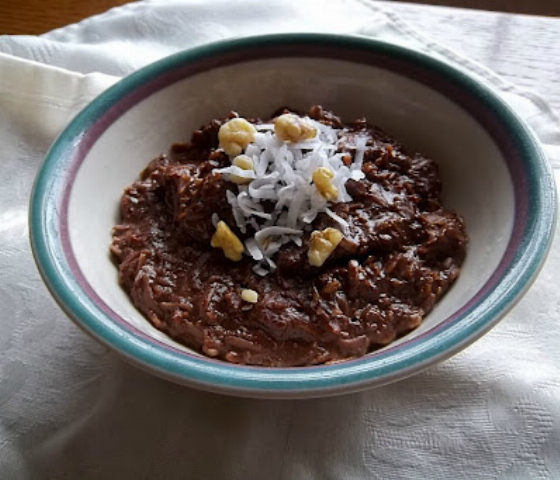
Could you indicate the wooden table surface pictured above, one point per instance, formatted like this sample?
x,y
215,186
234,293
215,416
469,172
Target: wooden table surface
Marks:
x,y
524,49
33,17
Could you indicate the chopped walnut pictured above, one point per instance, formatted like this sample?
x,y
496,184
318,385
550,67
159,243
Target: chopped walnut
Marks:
x,y
244,163
322,177
250,296
291,128
225,239
235,135
322,244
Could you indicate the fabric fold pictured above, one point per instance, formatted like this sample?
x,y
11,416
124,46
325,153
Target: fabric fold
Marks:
x,y
72,410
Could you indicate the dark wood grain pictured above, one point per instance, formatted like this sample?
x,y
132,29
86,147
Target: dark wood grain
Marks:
x,y
33,17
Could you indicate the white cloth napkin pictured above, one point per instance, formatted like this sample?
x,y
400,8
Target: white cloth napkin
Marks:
x,y
70,409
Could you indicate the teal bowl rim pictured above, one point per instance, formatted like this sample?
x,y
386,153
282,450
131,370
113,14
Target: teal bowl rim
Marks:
x,y
377,369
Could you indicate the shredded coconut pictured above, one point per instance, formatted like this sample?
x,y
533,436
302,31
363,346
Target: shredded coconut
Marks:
x,y
283,177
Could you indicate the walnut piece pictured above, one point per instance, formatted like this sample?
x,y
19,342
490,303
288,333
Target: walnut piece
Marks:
x,y
225,239
292,128
322,244
235,135
250,296
322,178
244,163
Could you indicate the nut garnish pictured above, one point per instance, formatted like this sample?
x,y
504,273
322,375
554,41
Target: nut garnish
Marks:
x,y
249,295
244,163
322,244
322,177
292,128
289,174
235,135
225,239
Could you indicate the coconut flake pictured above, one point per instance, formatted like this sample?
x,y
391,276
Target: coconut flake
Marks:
x,y
337,218
361,142
215,219
282,177
275,231
238,172
260,270
253,249
238,216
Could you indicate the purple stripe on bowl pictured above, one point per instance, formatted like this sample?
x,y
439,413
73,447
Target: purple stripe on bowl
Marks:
x,y
422,74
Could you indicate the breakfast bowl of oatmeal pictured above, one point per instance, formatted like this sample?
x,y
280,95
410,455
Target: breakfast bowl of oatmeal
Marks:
x,y
292,216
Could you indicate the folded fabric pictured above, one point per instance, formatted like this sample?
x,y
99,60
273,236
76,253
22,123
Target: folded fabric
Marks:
x,y
71,409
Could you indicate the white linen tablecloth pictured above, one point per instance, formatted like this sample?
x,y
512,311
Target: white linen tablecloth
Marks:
x,y
70,409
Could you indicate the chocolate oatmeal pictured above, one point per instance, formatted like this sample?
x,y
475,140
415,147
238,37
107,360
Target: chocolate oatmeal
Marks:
x,y
294,241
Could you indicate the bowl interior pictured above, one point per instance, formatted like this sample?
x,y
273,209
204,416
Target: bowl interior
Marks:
x,y
475,176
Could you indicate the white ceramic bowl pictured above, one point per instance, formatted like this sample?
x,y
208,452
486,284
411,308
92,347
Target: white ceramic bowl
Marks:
x,y
493,170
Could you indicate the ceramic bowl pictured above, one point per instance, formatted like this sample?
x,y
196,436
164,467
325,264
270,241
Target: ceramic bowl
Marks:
x,y
493,170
